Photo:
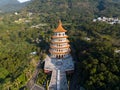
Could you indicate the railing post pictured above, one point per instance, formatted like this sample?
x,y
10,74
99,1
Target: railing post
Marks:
x,y
58,79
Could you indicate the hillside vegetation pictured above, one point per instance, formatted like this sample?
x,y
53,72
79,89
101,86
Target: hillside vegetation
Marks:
x,y
11,5
97,65
76,8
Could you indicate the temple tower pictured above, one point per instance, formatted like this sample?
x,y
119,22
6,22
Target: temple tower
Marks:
x,y
59,47
59,62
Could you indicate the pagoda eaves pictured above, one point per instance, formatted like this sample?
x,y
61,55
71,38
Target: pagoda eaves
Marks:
x,y
60,47
60,28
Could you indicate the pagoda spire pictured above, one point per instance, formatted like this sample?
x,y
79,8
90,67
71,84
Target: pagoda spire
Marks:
x,y
60,28
60,23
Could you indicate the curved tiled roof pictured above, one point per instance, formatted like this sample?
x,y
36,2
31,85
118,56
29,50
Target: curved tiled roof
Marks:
x,y
60,28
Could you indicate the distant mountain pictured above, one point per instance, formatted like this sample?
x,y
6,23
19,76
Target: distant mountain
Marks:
x,y
11,5
76,8
4,2
116,0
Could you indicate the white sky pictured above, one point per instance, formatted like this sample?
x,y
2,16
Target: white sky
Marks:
x,y
22,1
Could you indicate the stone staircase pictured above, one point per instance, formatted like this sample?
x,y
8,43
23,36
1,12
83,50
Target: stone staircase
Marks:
x,y
53,84
58,81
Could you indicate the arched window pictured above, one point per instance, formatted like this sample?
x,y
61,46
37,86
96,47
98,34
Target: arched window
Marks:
x,y
62,56
56,56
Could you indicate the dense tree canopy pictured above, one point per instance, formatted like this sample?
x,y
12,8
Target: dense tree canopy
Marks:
x,y
93,43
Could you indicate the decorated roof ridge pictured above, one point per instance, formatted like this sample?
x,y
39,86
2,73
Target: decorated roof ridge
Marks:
x,y
60,28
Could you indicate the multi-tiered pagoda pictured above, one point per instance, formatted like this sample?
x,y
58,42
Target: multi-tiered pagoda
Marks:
x,y
59,44
59,62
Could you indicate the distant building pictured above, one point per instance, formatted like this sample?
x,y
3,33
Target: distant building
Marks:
x,y
29,14
94,20
33,53
22,20
0,11
87,38
108,20
117,51
16,13
99,18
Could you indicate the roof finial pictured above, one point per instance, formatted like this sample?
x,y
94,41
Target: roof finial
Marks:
x,y
60,23
60,28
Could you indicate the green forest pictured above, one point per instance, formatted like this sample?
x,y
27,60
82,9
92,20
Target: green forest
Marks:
x,y
97,65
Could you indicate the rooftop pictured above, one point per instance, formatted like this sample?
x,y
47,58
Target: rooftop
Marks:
x,y
60,28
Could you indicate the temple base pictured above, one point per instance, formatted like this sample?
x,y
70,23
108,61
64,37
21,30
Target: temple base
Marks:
x,y
65,64
58,68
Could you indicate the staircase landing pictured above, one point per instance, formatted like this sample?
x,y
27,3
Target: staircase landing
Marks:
x,y
58,67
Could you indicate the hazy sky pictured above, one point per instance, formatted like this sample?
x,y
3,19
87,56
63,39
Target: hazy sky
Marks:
x,y
21,1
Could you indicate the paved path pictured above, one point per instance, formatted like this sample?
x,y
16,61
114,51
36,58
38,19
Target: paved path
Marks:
x,y
58,80
58,67
53,84
37,87
31,85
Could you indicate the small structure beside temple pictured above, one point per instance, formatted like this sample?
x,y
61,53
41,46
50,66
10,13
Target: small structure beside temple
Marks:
x,y
60,61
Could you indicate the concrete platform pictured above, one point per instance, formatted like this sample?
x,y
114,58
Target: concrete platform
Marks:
x,y
65,64
58,80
